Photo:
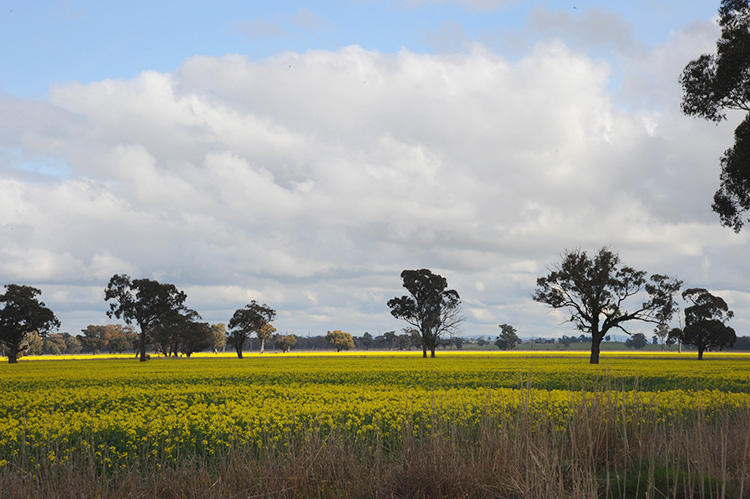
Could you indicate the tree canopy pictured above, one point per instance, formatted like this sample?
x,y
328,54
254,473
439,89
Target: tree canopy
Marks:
x,y
340,340
285,343
252,318
143,301
714,83
705,322
22,314
431,309
508,337
596,292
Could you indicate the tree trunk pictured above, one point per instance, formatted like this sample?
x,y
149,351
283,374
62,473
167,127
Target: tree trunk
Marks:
x,y
432,352
700,353
596,341
142,345
239,351
424,351
262,345
13,350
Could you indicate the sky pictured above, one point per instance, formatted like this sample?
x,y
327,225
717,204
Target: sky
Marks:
x,y
303,154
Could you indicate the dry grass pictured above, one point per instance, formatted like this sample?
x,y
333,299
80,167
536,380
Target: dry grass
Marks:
x,y
519,455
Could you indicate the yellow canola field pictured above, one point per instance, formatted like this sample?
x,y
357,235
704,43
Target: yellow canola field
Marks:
x,y
120,411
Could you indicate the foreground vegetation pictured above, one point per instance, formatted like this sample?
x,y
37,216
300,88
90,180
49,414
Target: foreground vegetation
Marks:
x,y
467,425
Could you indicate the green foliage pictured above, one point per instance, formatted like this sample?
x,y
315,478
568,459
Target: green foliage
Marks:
x,y
218,336
431,309
285,343
637,341
179,332
340,340
22,314
596,291
508,338
114,338
705,320
714,83
253,318
143,301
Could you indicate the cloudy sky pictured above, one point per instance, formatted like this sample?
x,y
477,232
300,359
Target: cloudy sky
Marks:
x,y
304,153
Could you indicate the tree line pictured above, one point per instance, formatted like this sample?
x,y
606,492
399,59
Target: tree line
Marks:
x,y
599,293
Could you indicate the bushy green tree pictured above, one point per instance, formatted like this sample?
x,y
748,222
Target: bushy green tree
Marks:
x,y
22,314
508,338
340,340
285,343
705,322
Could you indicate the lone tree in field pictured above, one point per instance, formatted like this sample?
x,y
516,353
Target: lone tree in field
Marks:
x,y
596,291
705,322
144,302
431,309
714,83
252,318
508,338
340,340
22,314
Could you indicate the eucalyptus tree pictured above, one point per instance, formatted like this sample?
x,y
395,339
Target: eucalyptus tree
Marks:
x,y
252,318
715,83
705,322
144,302
430,308
601,294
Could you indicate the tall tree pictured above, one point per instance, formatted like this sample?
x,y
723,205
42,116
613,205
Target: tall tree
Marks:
x,y
714,83
22,314
705,322
144,302
508,337
252,318
596,291
431,309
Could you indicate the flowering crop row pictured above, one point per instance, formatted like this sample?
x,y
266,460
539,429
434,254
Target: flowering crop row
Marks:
x,y
120,411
